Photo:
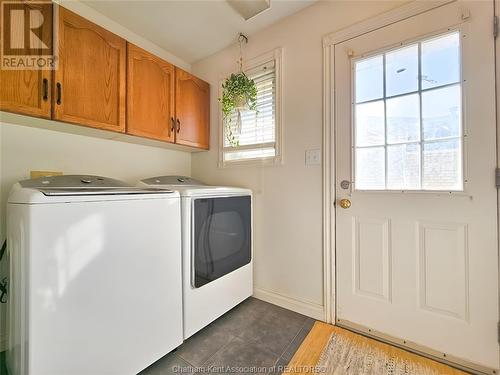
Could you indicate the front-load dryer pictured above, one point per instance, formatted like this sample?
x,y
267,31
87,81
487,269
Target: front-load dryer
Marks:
x,y
216,248
96,282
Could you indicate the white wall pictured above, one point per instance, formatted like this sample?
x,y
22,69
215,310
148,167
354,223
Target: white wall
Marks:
x,y
288,198
23,148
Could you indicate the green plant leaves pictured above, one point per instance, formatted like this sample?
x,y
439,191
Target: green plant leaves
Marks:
x,y
237,88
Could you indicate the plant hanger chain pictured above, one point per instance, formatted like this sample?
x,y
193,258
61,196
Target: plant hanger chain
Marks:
x,y
238,93
241,38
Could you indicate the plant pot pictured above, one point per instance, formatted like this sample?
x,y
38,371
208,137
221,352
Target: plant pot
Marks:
x,y
240,103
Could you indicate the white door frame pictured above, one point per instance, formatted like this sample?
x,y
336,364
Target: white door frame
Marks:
x,y
329,41
496,9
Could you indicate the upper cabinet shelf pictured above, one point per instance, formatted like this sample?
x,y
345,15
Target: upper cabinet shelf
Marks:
x,y
106,83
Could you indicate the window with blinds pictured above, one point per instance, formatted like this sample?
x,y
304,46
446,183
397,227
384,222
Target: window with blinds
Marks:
x,y
256,134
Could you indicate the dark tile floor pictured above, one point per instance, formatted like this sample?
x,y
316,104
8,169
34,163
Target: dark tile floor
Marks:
x,y
254,334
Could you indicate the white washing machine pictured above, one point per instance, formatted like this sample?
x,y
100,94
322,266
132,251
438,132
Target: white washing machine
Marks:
x,y
217,248
95,269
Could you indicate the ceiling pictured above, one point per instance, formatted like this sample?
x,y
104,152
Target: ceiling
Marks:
x,y
191,29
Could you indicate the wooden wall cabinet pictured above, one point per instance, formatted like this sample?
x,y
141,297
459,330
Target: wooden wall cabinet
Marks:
x,y
192,109
150,95
28,91
164,102
90,82
104,82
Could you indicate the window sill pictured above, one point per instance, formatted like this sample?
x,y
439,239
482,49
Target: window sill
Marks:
x,y
257,162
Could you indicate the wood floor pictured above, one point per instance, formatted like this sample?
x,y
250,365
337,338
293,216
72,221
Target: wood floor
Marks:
x,y
307,356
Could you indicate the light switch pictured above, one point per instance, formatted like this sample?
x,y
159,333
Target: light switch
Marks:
x,y
313,157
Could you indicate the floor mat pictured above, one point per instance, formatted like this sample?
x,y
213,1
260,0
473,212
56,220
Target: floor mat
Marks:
x,y
333,350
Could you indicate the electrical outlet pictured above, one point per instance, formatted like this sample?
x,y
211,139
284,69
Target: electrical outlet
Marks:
x,y
38,174
313,157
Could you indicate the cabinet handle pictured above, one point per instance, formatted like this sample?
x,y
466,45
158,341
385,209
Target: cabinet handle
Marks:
x,y
45,83
178,125
172,128
59,93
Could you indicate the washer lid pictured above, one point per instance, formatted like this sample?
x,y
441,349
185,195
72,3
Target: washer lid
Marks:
x,y
73,182
171,180
70,185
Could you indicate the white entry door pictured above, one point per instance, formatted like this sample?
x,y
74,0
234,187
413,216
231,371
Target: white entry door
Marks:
x,y
416,250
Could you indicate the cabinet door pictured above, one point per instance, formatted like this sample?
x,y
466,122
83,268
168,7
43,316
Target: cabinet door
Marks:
x,y
192,103
150,95
90,80
28,92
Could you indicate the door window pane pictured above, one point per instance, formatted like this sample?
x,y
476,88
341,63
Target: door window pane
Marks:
x,y
370,124
441,112
441,61
409,135
401,71
370,168
403,119
442,165
369,79
403,167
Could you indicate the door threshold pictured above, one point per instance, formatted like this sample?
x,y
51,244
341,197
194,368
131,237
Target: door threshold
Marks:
x,y
412,347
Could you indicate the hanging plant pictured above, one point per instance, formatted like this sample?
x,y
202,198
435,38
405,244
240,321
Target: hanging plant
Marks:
x,y
238,93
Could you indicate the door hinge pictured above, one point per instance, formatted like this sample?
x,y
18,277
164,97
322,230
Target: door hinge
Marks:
x,y
495,26
497,179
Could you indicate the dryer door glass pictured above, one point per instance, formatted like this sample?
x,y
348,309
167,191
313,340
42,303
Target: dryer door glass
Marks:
x,y
222,237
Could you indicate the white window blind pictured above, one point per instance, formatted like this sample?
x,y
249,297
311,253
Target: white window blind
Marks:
x,y
255,136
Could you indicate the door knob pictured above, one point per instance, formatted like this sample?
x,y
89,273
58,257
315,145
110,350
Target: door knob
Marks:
x,y
345,203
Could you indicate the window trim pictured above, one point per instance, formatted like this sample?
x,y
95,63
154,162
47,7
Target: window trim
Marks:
x,y
462,31
277,56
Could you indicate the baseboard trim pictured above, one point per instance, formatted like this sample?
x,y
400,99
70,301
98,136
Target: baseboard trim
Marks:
x,y
305,308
